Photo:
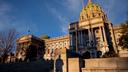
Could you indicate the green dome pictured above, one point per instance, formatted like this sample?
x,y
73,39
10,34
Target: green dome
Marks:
x,y
90,11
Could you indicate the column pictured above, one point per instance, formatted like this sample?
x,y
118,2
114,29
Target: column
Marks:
x,y
101,38
113,39
101,34
92,35
70,40
81,39
85,39
94,51
94,38
73,39
89,35
64,59
105,40
76,42
88,38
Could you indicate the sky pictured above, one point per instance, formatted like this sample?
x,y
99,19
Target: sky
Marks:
x,y
52,17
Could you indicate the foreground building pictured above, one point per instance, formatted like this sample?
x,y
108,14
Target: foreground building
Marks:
x,y
93,32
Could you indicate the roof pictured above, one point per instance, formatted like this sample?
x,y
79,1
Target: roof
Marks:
x,y
26,37
90,10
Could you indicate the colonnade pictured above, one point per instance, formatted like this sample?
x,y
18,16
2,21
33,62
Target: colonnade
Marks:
x,y
87,37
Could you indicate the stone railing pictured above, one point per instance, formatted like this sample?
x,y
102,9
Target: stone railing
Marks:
x,y
106,65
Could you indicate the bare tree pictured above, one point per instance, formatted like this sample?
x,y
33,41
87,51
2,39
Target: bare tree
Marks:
x,y
7,41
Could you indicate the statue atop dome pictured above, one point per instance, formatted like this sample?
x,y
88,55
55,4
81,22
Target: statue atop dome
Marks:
x,y
89,1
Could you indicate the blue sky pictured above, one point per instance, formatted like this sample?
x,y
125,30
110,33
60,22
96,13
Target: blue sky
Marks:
x,y
52,17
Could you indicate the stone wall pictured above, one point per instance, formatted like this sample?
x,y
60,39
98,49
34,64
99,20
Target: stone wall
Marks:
x,y
64,58
106,65
73,65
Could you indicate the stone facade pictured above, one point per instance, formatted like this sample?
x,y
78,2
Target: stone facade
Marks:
x,y
117,31
53,46
106,65
74,65
93,32
29,47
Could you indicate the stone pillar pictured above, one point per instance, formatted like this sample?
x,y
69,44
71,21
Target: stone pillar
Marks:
x,y
105,39
101,40
64,59
70,37
85,38
71,40
113,38
74,65
81,39
89,35
76,42
101,34
92,35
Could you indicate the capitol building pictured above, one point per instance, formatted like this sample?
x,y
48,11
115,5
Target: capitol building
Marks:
x,y
91,37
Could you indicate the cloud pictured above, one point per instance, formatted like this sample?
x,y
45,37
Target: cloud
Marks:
x,y
64,26
73,5
62,20
5,8
70,6
9,21
73,8
23,27
116,10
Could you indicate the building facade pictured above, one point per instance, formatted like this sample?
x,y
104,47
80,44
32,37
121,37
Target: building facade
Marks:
x,y
54,46
122,52
93,32
29,48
